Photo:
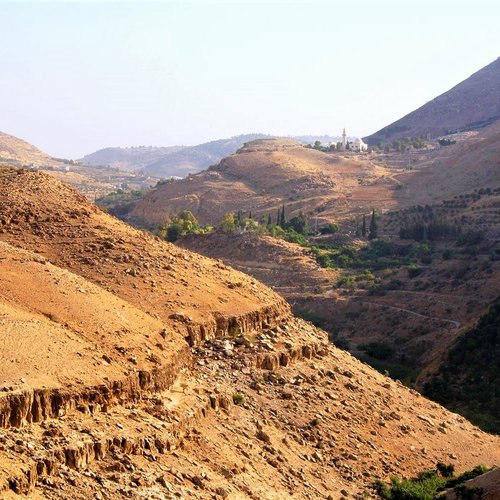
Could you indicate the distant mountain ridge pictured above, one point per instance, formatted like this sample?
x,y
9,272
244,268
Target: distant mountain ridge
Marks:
x,y
472,104
180,160
177,161
130,158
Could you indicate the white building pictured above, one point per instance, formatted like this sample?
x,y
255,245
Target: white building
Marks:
x,y
359,145
356,145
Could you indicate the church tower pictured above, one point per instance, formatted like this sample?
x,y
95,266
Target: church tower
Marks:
x,y
344,140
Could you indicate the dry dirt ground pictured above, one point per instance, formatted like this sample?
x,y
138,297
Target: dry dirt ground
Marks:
x,y
135,369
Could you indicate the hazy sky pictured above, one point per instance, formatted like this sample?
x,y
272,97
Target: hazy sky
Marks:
x,y
79,76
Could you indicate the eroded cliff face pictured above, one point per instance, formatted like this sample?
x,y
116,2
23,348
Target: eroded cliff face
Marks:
x,y
274,413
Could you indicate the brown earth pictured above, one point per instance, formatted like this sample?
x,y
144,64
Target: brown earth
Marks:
x,y
420,318
265,174
327,187
287,268
40,214
104,397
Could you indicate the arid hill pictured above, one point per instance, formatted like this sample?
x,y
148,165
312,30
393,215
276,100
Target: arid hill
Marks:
x,y
18,152
39,213
132,368
329,187
289,269
471,163
267,173
92,181
177,161
472,104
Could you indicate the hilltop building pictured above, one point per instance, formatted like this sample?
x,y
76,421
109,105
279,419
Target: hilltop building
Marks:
x,y
356,145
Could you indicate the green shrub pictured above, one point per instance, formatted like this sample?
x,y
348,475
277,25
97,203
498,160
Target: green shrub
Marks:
x,y
238,398
428,484
414,271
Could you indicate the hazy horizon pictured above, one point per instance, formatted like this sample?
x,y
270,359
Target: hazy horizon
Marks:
x,y
78,77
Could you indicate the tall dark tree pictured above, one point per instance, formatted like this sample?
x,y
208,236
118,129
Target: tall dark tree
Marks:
x,y
250,215
357,233
278,220
283,218
373,227
363,227
269,220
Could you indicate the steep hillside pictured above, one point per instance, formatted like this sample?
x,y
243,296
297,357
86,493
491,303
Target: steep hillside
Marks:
x,y
290,270
473,163
132,368
41,214
55,325
267,173
15,151
472,104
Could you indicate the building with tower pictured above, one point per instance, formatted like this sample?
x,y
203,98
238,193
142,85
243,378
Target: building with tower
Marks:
x,y
356,145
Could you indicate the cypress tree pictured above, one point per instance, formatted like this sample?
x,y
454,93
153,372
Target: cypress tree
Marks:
x,y
250,215
373,227
269,220
363,227
279,218
282,219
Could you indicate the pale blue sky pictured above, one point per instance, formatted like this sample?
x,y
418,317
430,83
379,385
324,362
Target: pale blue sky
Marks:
x,y
79,76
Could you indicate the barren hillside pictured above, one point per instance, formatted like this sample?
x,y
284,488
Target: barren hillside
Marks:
x,y
18,152
41,214
133,368
472,163
472,104
263,175
290,270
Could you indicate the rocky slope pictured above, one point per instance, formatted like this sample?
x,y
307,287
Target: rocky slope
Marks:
x,y
133,368
472,104
41,214
290,270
